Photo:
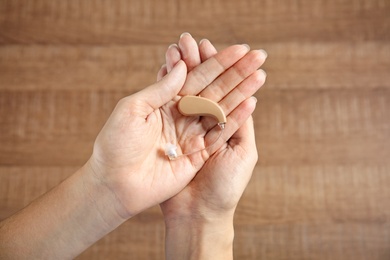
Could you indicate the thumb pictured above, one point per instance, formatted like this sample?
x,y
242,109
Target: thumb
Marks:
x,y
166,89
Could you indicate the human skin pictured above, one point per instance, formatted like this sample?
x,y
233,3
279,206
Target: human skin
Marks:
x,y
199,219
127,171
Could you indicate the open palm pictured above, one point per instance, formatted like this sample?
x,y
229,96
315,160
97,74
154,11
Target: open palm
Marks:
x,y
221,181
128,154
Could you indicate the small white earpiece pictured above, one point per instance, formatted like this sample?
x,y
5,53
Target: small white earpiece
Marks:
x,y
170,151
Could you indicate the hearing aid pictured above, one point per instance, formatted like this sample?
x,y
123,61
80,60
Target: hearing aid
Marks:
x,y
200,106
197,106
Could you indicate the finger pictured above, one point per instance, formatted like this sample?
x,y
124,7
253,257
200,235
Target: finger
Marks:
x,y
162,72
243,91
244,136
234,121
189,51
163,91
206,50
234,76
201,76
172,56
243,145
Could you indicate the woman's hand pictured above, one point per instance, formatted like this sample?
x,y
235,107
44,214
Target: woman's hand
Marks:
x,y
201,215
217,186
128,156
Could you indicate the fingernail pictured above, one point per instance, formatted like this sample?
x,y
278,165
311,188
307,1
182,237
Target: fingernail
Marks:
x,y
254,98
184,34
247,46
203,40
173,45
264,53
263,71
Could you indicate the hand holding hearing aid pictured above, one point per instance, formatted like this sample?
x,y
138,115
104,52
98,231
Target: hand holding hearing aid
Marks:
x,y
128,155
197,106
228,96
214,192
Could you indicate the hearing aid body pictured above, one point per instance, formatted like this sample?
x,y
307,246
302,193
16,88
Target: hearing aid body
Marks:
x,y
197,106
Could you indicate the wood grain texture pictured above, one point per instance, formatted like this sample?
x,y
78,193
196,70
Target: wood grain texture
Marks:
x,y
320,188
338,65
149,21
344,217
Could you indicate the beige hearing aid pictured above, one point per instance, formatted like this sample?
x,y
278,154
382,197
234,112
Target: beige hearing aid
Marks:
x,y
199,106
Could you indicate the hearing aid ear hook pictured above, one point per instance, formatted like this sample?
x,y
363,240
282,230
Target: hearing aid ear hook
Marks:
x,y
197,106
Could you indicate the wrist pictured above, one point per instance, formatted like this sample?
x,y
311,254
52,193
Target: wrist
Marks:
x,y
188,209
200,237
76,213
101,196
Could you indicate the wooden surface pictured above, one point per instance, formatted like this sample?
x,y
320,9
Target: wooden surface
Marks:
x,y
321,188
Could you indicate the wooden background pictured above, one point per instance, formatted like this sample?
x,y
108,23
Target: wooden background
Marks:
x,y
321,188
